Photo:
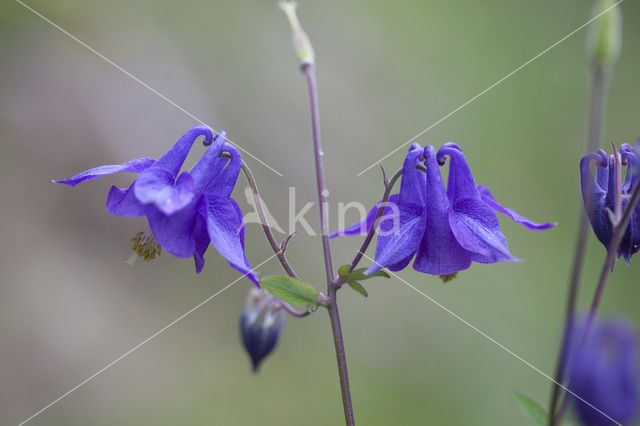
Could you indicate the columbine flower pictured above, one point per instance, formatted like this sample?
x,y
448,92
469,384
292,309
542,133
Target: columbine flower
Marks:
x,y
604,373
445,230
187,211
600,193
261,324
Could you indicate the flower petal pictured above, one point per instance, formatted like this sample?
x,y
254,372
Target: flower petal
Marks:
x,y
487,197
173,159
226,230
224,183
594,195
123,202
174,233
134,166
475,226
156,186
363,227
210,165
412,187
461,184
202,240
399,241
439,252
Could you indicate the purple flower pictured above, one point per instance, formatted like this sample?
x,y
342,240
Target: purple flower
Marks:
x,y
443,229
186,211
599,196
604,374
261,324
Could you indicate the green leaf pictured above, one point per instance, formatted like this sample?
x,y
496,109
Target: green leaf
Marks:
x,y
358,274
358,287
531,409
290,290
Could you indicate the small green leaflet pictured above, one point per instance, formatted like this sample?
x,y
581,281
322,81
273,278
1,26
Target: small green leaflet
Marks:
x,y
531,409
354,276
290,290
358,287
358,274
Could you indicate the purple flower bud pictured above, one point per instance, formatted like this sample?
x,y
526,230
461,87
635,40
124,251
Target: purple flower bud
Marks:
x,y
604,373
261,324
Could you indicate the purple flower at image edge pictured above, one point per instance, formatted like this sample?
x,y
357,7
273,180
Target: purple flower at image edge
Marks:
x,y
604,373
444,229
186,211
599,196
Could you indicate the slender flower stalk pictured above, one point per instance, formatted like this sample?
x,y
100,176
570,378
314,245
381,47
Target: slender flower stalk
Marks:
x,y
278,250
595,128
388,186
306,58
332,286
605,272
604,42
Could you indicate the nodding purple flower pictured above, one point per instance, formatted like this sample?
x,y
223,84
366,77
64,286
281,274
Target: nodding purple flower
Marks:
x,y
603,373
186,211
601,193
261,323
443,229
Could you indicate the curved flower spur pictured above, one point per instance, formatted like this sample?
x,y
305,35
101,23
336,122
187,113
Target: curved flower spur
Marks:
x,y
186,211
444,229
606,196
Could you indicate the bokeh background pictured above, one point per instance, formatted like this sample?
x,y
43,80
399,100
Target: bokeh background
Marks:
x,y
69,304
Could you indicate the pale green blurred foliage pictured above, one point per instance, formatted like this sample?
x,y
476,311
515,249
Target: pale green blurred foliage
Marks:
x,y
70,304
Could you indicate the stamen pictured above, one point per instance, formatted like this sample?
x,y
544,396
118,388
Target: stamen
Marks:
x,y
144,246
448,277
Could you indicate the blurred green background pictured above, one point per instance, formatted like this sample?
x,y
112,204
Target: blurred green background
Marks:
x,y
70,305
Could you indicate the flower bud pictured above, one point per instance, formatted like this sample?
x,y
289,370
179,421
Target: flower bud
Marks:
x,y
261,324
301,42
604,36
604,374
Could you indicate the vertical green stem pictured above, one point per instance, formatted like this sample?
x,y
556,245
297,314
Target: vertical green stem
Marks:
x,y
332,287
594,136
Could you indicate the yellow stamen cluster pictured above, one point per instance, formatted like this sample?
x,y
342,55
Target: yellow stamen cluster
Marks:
x,y
145,246
448,277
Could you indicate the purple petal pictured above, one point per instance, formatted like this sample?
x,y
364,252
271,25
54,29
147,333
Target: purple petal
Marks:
x,y
487,197
134,166
594,195
123,202
476,228
226,230
630,157
399,241
210,165
173,159
461,184
223,183
156,186
363,227
412,188
439,252
174,233
201,236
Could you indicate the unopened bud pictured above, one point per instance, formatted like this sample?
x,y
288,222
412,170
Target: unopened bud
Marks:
x,y
261,324
301,42
604,36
